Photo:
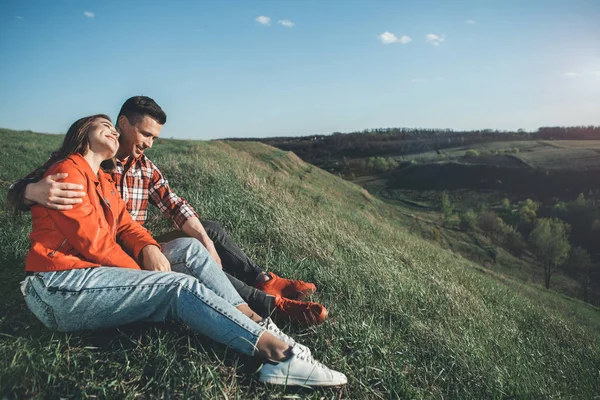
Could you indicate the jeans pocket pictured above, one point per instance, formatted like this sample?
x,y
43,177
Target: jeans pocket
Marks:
x,y
39,308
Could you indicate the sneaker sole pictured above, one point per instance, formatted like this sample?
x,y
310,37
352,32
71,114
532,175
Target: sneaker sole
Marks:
x,y
291,381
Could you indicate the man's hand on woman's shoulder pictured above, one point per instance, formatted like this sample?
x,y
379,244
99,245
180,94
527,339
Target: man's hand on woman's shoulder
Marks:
x,y
51,193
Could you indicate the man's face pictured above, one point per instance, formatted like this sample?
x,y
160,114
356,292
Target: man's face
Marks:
x,y
138,137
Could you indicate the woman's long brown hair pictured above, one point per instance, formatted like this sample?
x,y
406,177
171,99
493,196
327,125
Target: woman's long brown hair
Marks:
x,y
75,141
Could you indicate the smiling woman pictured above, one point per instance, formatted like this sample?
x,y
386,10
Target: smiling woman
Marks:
x,y
103,139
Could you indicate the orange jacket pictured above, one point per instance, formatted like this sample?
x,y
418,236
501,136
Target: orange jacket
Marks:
x,y
86,235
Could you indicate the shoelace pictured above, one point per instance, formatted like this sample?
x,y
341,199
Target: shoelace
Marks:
x,y
303,355
269,325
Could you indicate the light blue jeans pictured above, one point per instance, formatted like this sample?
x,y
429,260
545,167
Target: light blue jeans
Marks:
x,y
197,293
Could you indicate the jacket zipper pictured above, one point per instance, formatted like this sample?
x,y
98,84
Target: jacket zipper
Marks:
x,y
51,254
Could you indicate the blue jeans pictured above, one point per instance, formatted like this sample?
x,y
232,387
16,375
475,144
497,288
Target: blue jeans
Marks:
x,y
238,267
197,293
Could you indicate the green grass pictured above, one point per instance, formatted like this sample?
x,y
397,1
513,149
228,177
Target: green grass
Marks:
x,y
408,319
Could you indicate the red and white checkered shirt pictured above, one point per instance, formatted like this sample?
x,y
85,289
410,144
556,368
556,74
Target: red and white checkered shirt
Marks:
x,y
139,181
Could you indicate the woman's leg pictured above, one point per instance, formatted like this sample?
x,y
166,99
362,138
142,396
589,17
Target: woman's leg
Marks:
x,y
188,256
105,297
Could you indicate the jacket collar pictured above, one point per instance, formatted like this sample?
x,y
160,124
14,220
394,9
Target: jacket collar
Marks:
x,y
84,166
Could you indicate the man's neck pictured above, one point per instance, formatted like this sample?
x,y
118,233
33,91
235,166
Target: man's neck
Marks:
x,y
122,157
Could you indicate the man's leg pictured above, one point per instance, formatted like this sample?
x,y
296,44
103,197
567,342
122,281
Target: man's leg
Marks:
x,y
188,256
234,260
104,297
238,264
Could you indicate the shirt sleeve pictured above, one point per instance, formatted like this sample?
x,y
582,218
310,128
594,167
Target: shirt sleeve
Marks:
x,y
16,194
162,196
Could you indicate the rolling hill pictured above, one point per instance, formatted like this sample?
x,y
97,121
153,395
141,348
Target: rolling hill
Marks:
x,y
408,319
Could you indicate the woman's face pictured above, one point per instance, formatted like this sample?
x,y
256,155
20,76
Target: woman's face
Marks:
x,y
103,138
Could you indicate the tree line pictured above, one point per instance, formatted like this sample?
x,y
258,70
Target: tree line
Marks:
x,y
380,142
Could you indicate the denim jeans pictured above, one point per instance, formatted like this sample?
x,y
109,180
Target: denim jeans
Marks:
x,y
240,270
197,293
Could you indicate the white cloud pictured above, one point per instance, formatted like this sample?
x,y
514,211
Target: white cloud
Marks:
x,y
572,74
597,73
435,39
18,17
470,21
89,14
286,22
263,20
389,38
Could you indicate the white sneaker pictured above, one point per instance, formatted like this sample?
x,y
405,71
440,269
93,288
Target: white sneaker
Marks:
x,y
301,369
273,329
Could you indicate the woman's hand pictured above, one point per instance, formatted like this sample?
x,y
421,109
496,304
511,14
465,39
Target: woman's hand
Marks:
x,y
154,260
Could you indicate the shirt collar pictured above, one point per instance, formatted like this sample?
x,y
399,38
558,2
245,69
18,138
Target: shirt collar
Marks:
x,y
129,160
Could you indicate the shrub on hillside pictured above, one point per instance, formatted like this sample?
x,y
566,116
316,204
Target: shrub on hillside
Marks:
x,y
435,234
489,223
471,153
380,164
468,221
513,241
446,207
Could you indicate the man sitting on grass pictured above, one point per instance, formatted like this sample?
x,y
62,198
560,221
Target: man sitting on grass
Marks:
x,y
140,182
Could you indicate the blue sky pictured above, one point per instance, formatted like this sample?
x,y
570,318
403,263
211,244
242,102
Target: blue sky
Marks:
x,y
282,68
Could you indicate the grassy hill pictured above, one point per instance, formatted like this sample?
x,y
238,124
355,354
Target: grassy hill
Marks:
x,y
408,319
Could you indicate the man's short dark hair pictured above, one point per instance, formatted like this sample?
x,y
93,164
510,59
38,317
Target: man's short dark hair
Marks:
x,y
137,107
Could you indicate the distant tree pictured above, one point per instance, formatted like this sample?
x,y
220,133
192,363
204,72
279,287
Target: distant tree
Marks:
x,y
346,167
506,204
550,243
581,263
392,163
446,207
377,164
380,164
528,210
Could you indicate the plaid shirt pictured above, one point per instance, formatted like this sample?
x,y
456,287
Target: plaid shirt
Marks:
x,y
139,181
